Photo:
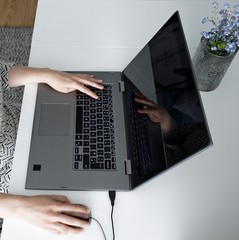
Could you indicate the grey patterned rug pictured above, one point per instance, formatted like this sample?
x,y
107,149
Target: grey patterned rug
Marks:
x,y
15,45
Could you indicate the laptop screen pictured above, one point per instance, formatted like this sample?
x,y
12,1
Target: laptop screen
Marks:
x,y
163,73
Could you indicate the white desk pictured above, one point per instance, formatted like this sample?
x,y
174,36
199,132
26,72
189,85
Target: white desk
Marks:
x,y
196,200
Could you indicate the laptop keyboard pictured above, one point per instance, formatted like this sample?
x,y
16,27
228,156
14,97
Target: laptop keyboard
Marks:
x,y
141,149
94,138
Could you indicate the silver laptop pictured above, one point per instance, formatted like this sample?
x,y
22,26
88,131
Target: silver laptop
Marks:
x,y
79,143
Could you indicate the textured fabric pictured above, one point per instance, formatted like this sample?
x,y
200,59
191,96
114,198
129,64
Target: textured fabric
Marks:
x,y
10,105
14,49
15,45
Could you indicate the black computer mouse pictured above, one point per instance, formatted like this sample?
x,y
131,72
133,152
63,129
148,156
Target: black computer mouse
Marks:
x,y
81,218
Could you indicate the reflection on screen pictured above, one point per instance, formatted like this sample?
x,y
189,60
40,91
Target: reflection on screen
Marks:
x,y
163,73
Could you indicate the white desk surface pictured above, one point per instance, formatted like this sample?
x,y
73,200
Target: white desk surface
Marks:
x,y
196,200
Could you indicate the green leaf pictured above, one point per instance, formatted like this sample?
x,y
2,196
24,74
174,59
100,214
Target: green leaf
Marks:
x,y
221,45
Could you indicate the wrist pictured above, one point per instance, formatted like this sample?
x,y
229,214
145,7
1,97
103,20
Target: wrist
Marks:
x,y
10,205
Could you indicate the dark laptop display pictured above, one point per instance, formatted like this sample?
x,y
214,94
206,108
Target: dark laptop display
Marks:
x,y
149,118
168,63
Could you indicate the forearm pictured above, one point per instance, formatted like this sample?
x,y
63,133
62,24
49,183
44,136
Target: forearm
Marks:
x,y
9,204
60,81
19,76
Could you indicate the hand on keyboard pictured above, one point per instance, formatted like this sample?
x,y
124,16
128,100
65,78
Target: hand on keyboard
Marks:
x,y
68,82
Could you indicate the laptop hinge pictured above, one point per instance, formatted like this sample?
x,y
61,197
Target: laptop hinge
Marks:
x,y
121,86
128,169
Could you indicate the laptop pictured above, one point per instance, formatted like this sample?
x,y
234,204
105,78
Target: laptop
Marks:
x,y
79,143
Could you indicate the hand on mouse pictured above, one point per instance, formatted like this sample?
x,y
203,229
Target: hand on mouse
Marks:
x,y
53,213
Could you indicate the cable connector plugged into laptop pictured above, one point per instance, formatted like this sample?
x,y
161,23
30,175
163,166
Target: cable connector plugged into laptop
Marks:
x,y
112,197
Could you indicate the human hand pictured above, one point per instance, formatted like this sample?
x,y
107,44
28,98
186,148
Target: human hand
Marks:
x,y
60,81
68,82
155,112
53,213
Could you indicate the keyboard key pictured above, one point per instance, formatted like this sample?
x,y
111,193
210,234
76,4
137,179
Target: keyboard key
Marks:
x,y
107,156
106,130
93,147
93,140
76,165
99,133
86,130
107,164
76,150
86,162
97,165
100,159
86,137
86,150
107,149
92,153
99,127
79,119
78,137
100,152
93,128
78,143
92,160
100,145
93,134
78,157
106,136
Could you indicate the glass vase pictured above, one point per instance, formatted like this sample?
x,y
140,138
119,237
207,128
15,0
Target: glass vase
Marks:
x,y
209,68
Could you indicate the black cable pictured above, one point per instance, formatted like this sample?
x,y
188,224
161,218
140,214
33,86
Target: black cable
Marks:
x,y
112,223
103,232
112,195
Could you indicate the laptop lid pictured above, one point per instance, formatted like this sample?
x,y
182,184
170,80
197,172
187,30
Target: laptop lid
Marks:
x,y
164,65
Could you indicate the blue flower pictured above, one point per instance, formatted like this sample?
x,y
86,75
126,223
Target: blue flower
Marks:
x,y
215,4
227,31
213,30
204,20
231,47
236,6
226,5
223,37
222,22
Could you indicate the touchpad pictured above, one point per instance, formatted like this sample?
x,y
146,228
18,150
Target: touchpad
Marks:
x,y
54,119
